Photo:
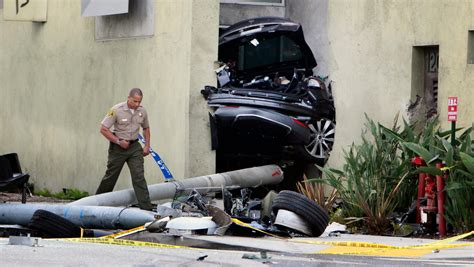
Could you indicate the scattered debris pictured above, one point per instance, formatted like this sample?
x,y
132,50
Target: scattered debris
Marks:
x,y
24,241
192,225
263,258
222,219
217,204
202,258
335,229
157,226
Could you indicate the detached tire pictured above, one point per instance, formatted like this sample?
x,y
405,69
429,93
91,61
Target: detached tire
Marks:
x,y
52,225
311,212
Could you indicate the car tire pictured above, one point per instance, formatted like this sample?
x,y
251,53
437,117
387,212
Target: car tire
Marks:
x,y
52,225
315,216
321,141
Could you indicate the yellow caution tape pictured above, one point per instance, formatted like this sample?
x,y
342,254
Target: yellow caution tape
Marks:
x,y
374,249
123,242
238,222
337,247
344,243
404,251
125,233
331,243
382,252
447,168
445,241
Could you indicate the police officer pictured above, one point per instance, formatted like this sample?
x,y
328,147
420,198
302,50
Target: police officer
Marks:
x,y
127,118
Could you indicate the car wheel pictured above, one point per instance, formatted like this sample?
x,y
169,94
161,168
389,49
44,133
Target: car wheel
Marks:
x,y
311,212
52,225
322,140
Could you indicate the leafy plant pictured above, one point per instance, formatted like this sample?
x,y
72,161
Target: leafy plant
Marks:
x,y
377,177
316,191
70,194
374,174
43,192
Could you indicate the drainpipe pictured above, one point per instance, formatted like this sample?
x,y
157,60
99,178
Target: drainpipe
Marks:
x,y
250,177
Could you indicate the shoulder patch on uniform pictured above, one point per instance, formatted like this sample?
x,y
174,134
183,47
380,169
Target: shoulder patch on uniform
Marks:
x,y
111,113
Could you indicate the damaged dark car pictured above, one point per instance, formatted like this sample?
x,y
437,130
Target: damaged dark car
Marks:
x,y
268,103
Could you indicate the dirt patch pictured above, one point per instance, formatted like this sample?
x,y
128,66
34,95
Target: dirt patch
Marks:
x,y
16,197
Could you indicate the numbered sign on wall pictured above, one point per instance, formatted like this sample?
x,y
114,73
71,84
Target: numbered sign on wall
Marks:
x,y
25,10
452,108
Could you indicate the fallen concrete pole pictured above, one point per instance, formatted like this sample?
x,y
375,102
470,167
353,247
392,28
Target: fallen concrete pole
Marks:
x,y
251,177
84,216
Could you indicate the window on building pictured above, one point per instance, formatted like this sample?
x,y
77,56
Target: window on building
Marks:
x,y
93,8
424,91
255,2
139,21
470,48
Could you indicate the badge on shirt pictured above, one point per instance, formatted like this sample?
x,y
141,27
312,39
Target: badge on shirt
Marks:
x,y
140,114
111,113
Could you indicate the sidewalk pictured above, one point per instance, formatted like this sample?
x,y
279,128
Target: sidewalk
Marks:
x,y
346,244
279,252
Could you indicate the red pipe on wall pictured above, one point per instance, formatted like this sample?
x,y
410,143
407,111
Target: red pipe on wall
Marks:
x,y
418,162
441,198
421,194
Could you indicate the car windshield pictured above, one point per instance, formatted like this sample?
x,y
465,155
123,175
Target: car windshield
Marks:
x,y
266,51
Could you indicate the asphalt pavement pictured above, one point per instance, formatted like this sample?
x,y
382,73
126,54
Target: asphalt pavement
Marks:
x,y
343,250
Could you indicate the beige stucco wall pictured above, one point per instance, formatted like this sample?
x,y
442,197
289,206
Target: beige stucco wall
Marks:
x,y
57,83
371,44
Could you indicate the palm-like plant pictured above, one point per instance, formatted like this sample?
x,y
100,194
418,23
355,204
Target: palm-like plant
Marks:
x,y
317,192
374,173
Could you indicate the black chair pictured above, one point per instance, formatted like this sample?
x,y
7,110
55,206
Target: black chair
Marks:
x,y
11,176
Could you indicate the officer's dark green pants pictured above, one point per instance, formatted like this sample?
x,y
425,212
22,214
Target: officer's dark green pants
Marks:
x,y
134,158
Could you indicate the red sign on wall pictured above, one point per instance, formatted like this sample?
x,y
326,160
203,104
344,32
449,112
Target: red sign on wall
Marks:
x,y
452,108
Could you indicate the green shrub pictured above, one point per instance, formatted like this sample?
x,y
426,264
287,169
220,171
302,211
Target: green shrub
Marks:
x,y
377,177
70,194
374,175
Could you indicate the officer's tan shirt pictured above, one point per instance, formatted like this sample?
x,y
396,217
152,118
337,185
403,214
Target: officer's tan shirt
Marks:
x,y
126,125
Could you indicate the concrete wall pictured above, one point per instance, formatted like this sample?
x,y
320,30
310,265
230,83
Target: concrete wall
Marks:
x,y
232,13
312,15
371,44
57,83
